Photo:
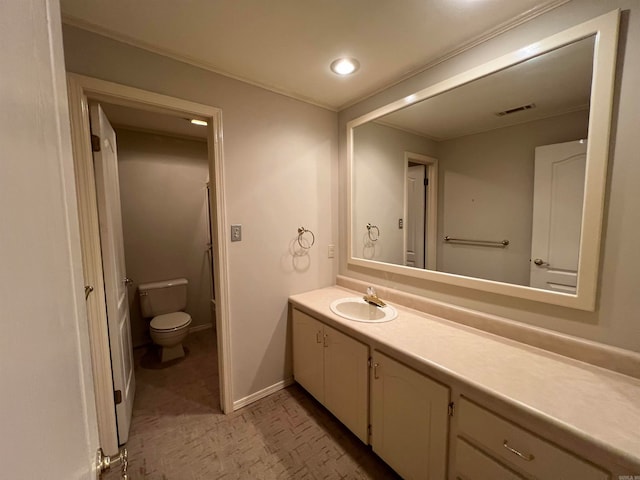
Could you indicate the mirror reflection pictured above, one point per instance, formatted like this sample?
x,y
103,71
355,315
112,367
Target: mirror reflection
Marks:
x,y
485,180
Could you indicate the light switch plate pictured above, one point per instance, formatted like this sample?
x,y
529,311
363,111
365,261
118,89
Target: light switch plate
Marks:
x,y
236,233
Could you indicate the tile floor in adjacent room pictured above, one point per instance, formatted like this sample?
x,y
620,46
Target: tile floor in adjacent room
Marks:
x,y
179,433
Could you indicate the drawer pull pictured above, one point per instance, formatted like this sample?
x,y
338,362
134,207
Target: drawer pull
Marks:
x,y
375,371
527,457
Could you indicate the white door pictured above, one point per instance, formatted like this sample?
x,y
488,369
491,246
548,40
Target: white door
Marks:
x,y
557,215
110,217
416,210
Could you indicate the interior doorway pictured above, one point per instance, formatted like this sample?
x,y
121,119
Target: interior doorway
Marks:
x,y
420,211
81,91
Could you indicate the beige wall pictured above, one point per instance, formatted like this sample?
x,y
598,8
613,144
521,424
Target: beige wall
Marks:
x,y
486,192
379,187
280,167
616,320
47,410
164,219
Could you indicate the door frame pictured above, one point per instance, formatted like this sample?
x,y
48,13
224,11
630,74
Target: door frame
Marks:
x,y
431,212
80,89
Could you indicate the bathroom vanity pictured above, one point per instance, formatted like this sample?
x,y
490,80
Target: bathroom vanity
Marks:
x,y
443,391
439,399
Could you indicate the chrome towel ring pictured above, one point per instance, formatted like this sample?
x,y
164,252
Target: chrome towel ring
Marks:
x,y
373,235
301,242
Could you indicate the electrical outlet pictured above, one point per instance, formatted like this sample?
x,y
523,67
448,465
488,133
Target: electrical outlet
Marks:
x,y
236,233
331,251
400,223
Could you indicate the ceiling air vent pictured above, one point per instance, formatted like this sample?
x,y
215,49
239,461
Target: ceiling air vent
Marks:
x,y
516,109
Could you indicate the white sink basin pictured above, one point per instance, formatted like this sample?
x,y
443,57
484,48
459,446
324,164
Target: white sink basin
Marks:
x,y
355,308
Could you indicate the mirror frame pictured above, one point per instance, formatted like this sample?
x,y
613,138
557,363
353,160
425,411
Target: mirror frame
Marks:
x,y
605,29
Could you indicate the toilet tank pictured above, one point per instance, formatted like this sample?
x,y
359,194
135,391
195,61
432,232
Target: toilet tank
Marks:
x,y
158,298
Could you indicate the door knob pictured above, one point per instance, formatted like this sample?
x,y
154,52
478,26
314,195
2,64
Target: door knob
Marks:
x,y
540,262
128,282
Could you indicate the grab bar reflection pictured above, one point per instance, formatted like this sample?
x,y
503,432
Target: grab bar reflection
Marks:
x,y
481,243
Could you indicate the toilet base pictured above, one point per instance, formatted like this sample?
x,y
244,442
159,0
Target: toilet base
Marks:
x,y
171,353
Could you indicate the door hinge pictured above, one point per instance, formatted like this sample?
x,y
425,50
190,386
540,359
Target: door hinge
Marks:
x,y
369,362
117,396
452,407
426,182
104,463
95,143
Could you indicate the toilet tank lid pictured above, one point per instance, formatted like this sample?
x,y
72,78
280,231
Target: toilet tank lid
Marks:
x,y
163,284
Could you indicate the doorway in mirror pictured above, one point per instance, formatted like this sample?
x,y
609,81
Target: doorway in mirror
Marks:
x,y
420,211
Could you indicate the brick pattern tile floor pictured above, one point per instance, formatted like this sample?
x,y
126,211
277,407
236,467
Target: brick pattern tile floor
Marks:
x,y
179,433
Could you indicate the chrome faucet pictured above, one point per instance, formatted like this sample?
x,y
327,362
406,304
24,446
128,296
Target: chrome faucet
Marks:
x,y
372,298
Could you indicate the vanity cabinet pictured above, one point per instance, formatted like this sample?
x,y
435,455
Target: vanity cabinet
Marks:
x,y
437,409
409,419
484,436
332,367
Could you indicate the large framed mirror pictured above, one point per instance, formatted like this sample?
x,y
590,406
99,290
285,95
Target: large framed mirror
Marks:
x,y
495,178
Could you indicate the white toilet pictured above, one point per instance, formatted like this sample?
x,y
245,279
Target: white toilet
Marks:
x,y
164,301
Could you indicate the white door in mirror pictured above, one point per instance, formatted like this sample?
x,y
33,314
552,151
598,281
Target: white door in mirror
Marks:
x,y
557,213
356,309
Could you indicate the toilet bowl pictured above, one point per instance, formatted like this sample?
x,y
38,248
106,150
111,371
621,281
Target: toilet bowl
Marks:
x,y
168,331
163,302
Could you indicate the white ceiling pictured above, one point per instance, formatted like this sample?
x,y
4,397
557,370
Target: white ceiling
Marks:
x,y
287,45
152,122
556,82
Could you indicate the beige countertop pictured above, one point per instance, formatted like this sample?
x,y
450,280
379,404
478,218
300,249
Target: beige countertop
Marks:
x,y
598,405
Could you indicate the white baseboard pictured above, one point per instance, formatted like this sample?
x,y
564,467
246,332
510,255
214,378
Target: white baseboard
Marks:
x,y
197,328
265,392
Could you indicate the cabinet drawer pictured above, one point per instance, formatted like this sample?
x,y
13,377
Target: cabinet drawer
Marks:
x,y
472,464
520,448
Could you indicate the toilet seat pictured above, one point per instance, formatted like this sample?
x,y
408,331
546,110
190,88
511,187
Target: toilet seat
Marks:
x,y
170,321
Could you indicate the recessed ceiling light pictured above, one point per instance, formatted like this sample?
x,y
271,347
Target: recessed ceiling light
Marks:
x,y
344,66
202,123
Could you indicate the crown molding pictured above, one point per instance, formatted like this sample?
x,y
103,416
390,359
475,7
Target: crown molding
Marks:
x,y
482,38
165,52
463,47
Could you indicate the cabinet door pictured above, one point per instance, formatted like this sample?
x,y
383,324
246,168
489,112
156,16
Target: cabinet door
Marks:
x,y
346,380
409,420
308,369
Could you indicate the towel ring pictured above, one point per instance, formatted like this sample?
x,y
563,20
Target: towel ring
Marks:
x,y
301,232
373,236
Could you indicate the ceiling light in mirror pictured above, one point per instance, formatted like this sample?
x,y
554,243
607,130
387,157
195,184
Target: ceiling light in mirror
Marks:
x,y
344,66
